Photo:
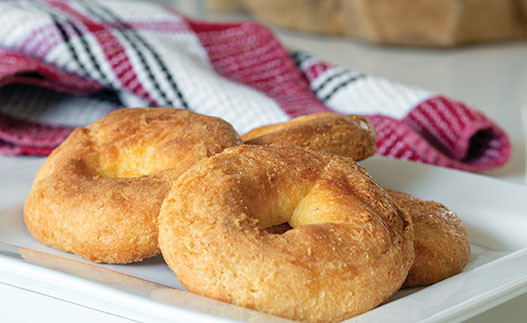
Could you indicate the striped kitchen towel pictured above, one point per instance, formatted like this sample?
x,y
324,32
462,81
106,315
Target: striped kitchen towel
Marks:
x,y
65,64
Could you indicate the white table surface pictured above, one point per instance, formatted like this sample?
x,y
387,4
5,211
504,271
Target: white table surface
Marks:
x,y
491,78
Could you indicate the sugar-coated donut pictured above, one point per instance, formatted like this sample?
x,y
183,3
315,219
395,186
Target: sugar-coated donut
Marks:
x,y
98,194
349,249
346,135
441,244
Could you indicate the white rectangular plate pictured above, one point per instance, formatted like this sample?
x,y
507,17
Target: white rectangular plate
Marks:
x,y
494,212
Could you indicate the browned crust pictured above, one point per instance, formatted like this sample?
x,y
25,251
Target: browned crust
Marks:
x,y
441,244
98,195
349,250
442,248
347,135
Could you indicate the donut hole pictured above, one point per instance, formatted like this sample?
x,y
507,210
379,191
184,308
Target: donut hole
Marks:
x,y
144,160
131,162
148,141
304,200
274,212
279,228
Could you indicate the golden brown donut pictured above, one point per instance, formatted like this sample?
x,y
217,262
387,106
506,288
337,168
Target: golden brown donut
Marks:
x,y
349,250
98,194
442,248
346,135
441,244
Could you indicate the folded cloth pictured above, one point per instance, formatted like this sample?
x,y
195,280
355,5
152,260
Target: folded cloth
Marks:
x,y
66,63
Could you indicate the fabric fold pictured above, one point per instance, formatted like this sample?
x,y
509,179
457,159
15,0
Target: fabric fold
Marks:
x,y
150,55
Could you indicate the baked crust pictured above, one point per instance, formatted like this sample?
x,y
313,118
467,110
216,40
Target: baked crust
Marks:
x,y
347,135
349,249
441,244
442,248
98,194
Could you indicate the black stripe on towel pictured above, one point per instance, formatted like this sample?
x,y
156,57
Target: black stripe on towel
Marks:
x,y
341,85
134,39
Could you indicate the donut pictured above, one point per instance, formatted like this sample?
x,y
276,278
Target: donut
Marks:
x,y
442,248
441,244
99,193
347,135
349,249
